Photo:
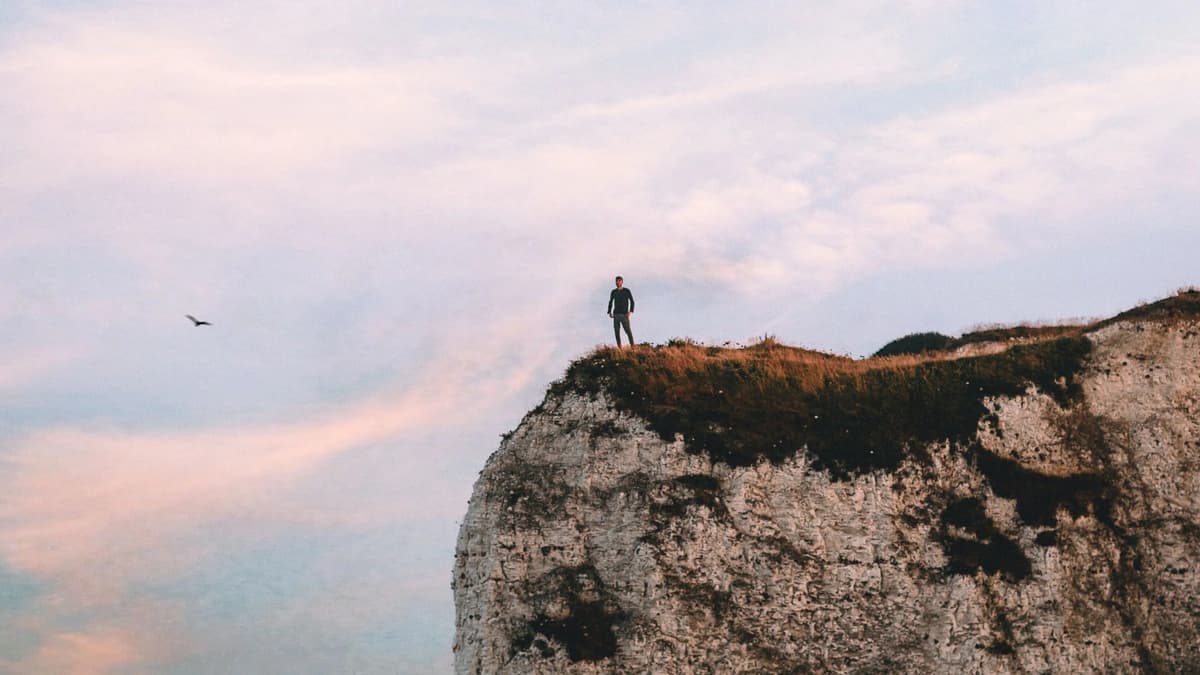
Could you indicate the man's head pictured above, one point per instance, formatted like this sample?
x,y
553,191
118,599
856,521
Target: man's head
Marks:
x,y
620,281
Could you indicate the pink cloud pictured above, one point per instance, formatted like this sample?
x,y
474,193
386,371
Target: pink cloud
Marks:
x,y
76,495
98,651
96,512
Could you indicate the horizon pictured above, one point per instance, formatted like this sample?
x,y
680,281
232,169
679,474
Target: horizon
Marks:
x,y
403,224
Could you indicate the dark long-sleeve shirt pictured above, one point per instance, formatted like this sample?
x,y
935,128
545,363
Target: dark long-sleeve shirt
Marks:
x,y
620,301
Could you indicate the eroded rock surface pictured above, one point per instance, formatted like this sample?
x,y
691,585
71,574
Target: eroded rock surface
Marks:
x,y
1063,537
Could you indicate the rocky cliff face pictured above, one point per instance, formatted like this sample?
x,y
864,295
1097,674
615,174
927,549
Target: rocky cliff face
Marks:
x,y
1060,533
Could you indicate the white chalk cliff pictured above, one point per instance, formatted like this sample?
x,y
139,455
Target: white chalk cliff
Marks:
x,y
1062,536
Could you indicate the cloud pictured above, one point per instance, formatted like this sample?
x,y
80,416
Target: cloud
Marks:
x,y
24,368
684,176
1063,147
127,637
116,492
102,101
91,652
701,198
103,514
986,180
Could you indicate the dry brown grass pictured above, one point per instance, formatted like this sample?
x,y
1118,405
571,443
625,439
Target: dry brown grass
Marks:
x,y
768,400
766,364
1022,332
1183,306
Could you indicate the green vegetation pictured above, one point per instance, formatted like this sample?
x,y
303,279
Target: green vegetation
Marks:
x,y
1022,332
916,343
925,343
769,400
1185,304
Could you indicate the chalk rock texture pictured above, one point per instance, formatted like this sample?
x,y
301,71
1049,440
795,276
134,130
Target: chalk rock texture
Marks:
x,y
1066,539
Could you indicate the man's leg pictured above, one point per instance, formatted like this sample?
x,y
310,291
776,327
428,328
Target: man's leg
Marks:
x,y
617,327
628,331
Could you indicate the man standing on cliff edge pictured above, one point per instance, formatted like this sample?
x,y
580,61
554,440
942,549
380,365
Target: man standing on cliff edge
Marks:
x,y
620,308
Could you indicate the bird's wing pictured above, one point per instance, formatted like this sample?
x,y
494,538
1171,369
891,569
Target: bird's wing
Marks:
x,y
191,317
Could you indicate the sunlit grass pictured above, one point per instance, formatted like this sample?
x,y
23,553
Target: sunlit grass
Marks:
x,y
768,400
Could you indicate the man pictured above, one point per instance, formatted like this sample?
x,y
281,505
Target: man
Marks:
x,y
620,308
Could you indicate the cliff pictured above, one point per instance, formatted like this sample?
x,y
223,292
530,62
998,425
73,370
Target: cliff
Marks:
x,y
1031,504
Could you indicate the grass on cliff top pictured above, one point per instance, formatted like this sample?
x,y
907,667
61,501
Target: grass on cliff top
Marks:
x,y
1185,304
922,343
768,400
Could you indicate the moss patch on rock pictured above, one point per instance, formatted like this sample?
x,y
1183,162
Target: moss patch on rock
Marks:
x,y
1039,496
529,493
972,542
575,612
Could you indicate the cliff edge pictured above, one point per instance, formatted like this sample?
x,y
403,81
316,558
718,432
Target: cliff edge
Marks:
x,y
1029,505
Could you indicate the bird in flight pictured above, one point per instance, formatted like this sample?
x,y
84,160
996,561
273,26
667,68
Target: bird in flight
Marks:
x,y
197,322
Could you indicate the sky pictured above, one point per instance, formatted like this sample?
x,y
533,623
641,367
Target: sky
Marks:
x,y
403,221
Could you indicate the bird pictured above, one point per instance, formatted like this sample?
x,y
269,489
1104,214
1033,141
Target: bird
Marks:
x,y
197,322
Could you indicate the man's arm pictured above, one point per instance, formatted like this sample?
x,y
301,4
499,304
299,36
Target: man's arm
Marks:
x,y
630,300
612,295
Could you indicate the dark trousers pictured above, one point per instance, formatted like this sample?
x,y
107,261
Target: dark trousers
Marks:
x,y
622,321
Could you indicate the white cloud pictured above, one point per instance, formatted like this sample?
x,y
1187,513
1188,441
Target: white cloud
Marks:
x,y
106,102
21,369
118,492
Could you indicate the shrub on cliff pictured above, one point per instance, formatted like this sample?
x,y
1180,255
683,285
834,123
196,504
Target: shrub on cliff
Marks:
x,y
915,343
